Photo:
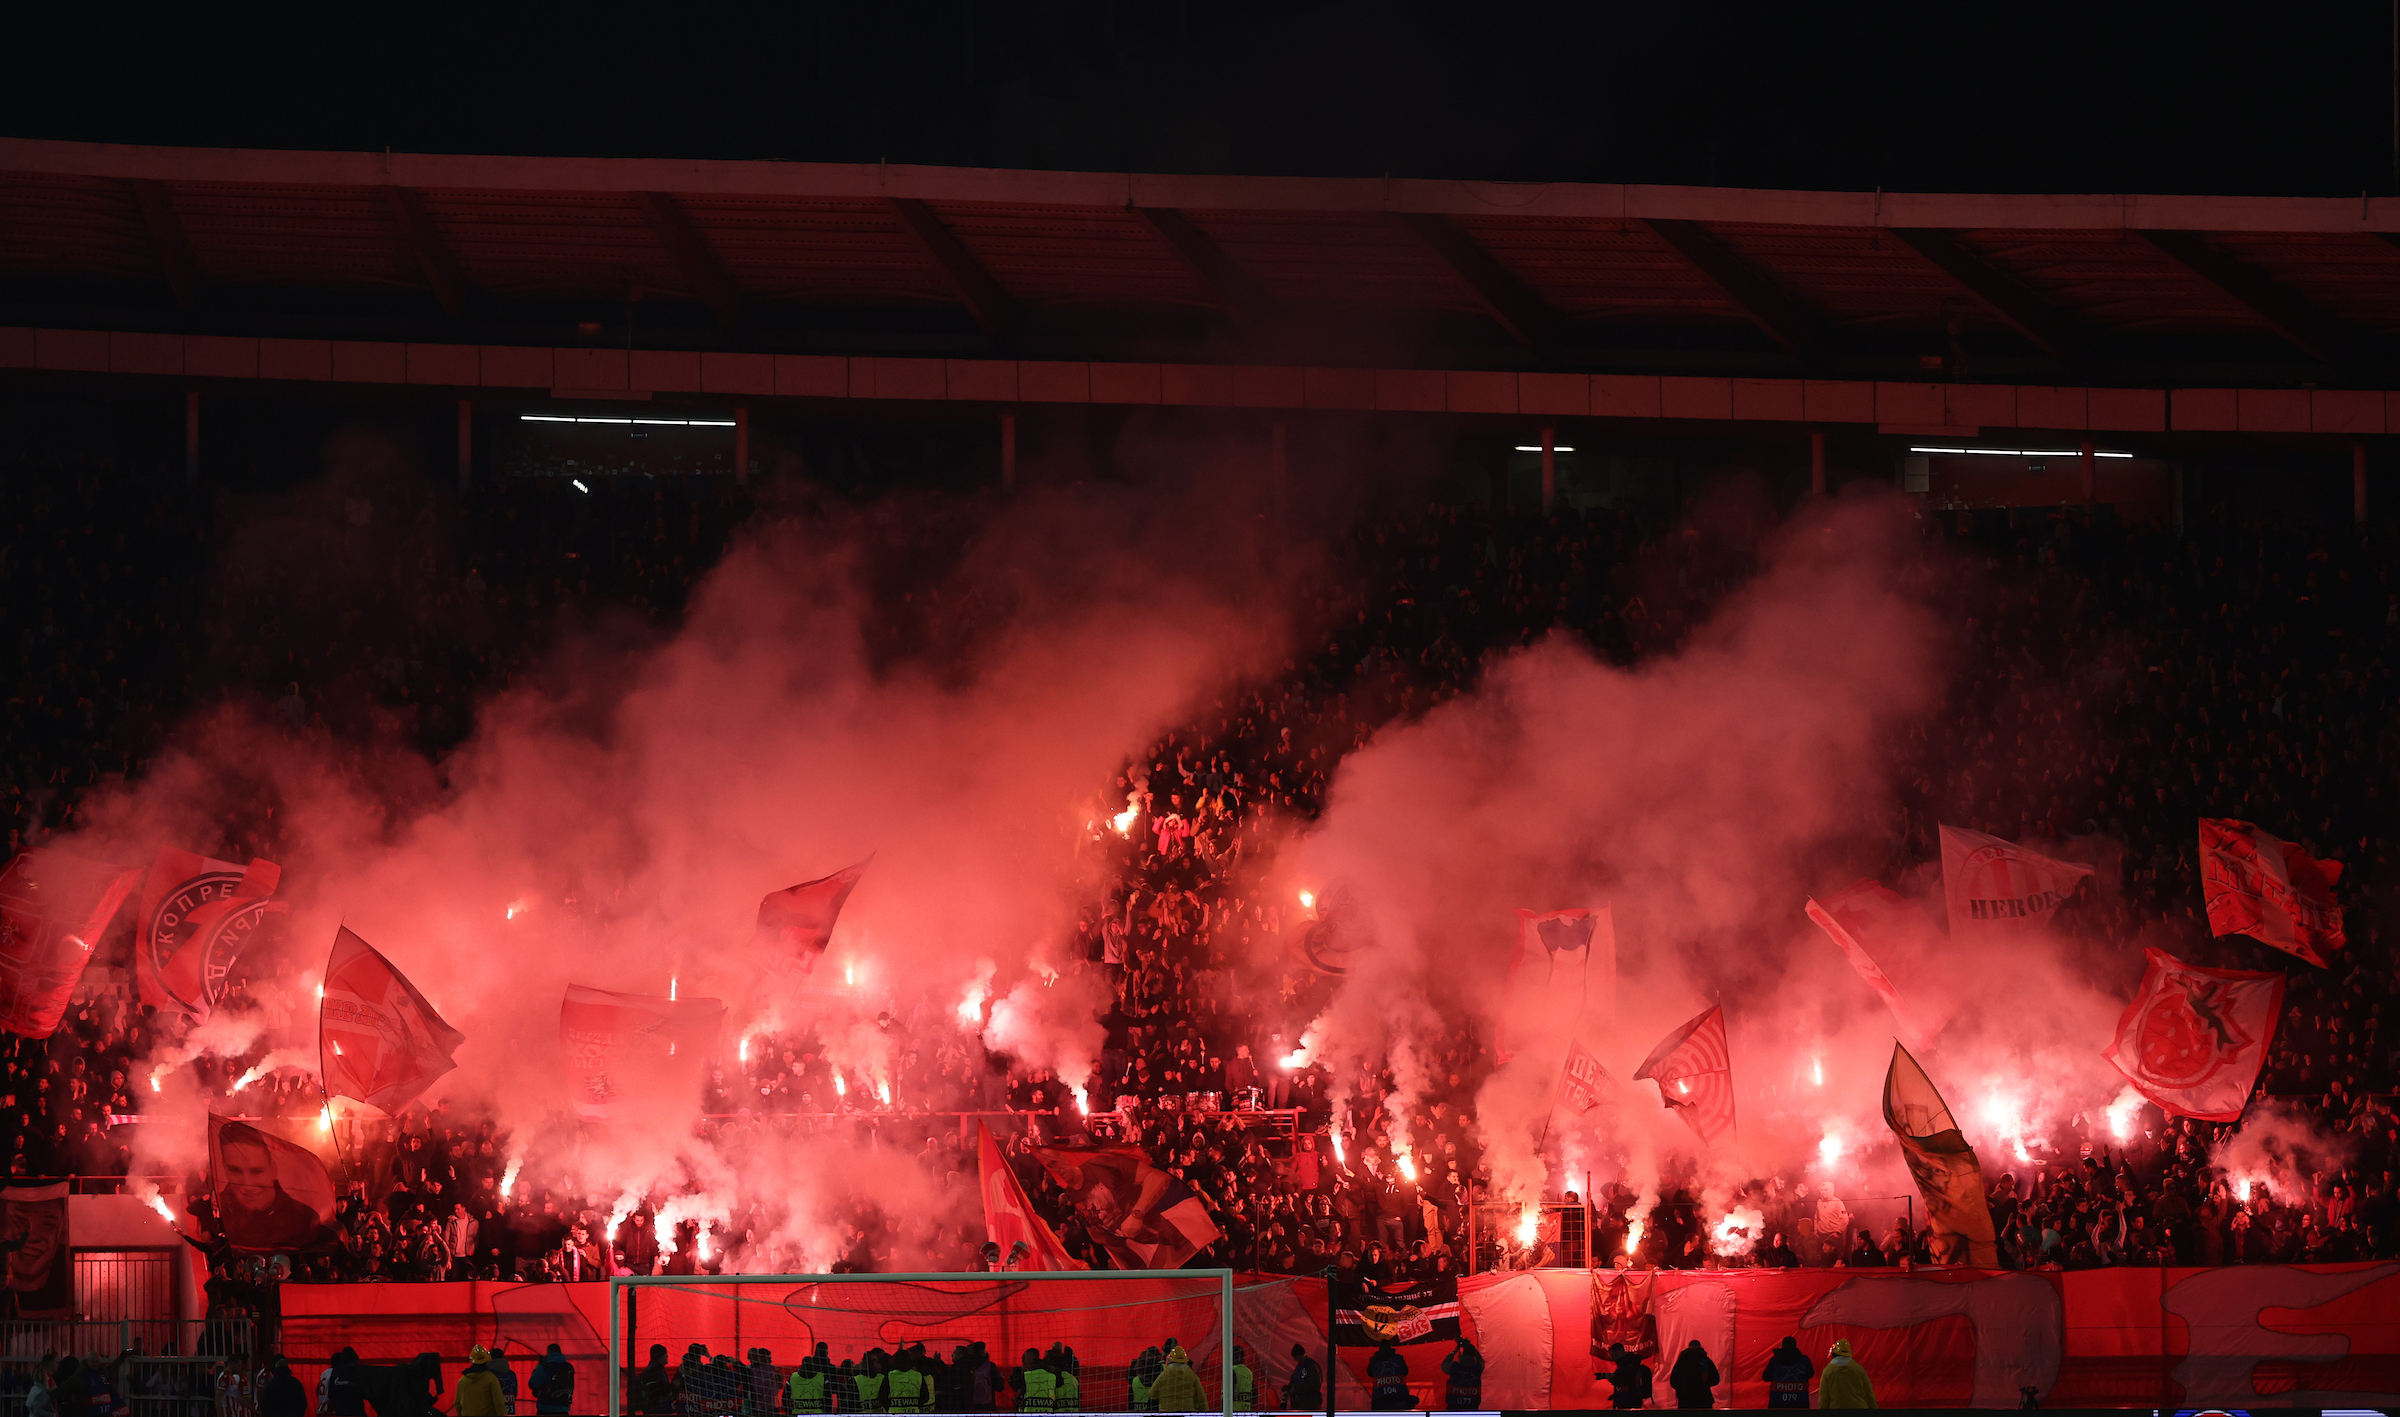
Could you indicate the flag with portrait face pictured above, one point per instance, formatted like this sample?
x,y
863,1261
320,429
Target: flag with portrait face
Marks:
x,y
271,1194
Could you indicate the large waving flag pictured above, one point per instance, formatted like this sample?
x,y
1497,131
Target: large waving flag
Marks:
x,y
1008,1215
799,920
377,1038
1992,885
220,931
183,895
2269,889
2193,1040
1852,917
1560,954
598,1028
1945,1168
53,907
1694,1072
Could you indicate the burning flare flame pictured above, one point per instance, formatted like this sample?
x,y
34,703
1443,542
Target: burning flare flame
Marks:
x,y
1529,1226
1308,900
508,1178
1123,821
1408,1165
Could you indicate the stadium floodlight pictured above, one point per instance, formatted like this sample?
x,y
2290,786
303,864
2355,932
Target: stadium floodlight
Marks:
x,y
647,422
1106,1317
1536,447
2019,452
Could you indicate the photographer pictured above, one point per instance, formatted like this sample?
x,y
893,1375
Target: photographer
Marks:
x,y
1463,1369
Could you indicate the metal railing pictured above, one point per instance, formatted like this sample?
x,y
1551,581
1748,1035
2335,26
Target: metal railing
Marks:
x,y
208,1339
161,1367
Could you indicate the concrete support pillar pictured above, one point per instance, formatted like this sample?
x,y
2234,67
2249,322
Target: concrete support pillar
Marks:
x,y
1816,462
1279,469
1549,469
1008,452
466,444
2358,483
191,435
2090,462
741,444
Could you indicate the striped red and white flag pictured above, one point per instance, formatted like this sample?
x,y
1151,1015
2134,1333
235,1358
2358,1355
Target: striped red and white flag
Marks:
x,y
1693,1068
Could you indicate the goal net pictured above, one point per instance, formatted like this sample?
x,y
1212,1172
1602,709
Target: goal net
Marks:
x,y
732,1342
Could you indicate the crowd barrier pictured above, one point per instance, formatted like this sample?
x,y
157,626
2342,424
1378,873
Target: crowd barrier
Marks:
x,y
2240,1336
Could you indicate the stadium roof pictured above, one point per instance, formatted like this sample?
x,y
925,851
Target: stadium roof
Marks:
x,y
840,260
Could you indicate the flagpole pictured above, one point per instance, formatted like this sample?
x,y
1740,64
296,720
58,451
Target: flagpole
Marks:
x,y
324,1088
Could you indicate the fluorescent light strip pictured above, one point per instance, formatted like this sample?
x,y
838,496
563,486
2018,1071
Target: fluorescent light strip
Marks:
x,y
1529,448
2019,452
655,422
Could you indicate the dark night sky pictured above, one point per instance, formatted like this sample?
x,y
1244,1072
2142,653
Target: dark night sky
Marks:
x,y
1922,96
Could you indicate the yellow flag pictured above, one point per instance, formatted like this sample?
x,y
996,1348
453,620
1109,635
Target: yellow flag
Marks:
x,y
1947,1173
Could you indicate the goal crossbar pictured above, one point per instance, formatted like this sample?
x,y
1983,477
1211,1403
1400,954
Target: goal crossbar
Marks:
x,y
620,1286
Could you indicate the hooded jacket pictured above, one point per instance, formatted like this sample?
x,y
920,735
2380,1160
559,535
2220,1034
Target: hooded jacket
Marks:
x,y
1694,1376
1787,1374
1178,1388
479,1393
1844,1383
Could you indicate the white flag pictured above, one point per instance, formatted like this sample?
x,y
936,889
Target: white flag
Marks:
x,y
1994,886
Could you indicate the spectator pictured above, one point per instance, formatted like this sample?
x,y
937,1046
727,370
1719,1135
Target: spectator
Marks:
x,y
1694,1377
1845,1383
479,1392
553,1383
1787,1373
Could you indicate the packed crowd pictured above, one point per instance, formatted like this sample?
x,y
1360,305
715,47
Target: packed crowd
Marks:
x,y
2115,683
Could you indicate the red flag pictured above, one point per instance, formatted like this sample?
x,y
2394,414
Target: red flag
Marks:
x,y
178,887
2269,889
1584,1084
220,931
377,1038
596,1027
1116,1187
52,909
1008,1216
1694,1072
271,1194
2193,1040
800,920
1850,915
1993,885
1560,952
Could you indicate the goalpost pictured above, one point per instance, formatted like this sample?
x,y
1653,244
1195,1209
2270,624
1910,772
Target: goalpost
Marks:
x,y
1102,1319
